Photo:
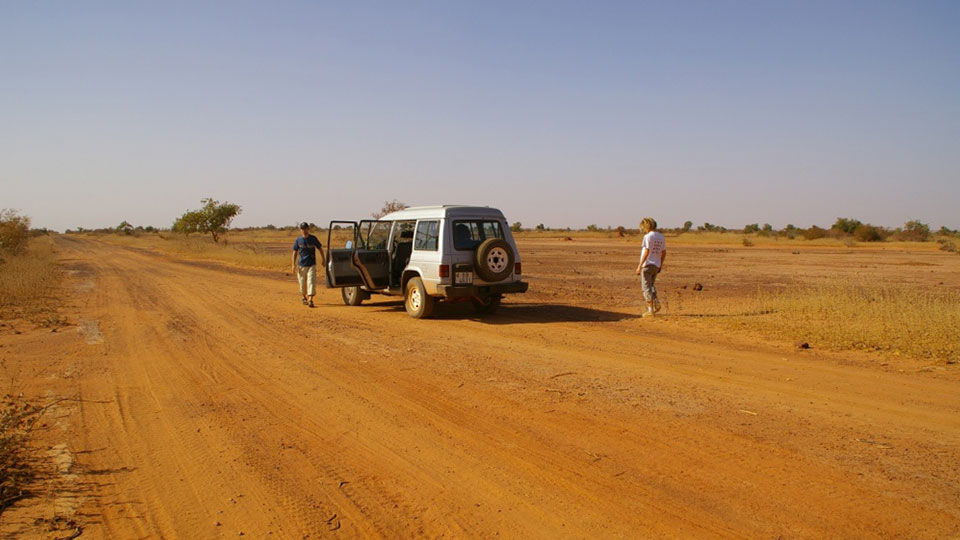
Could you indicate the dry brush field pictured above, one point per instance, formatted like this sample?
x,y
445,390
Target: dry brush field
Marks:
x,y
207,402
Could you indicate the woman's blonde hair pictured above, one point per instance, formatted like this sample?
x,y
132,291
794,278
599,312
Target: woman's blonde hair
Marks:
x,y
648,223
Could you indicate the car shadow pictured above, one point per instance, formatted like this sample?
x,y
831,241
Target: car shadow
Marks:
x,y
518,313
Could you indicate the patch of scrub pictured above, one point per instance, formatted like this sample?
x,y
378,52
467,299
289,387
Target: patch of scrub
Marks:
x,y
91,331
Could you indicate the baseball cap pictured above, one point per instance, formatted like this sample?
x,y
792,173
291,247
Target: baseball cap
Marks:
x,y
304,225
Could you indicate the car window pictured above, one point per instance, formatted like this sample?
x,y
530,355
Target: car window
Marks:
x,y
376,234
403,232
427,237
468,234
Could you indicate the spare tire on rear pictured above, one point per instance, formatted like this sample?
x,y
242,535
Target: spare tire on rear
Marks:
x,y
493,260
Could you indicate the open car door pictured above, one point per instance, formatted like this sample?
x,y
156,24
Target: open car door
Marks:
x,y
340,269
371,255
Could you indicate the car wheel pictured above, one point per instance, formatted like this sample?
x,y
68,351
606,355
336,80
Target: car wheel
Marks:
x,y
494,260
486,305
419,304
351,296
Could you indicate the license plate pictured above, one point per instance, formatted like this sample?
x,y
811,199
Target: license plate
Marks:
x,y
465,277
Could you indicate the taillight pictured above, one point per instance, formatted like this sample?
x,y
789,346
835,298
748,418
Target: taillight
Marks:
x,y
516,269
444,270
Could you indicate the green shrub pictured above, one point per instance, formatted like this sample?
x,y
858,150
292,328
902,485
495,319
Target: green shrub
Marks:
x,y
914,231
814,233
14,231
868,233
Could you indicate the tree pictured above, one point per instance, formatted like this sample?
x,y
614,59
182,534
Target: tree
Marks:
x,y
125,228
752,228
540,227
767,227
14,231
213,218
687,225
516,227
592,228
846,225
915,231
388,208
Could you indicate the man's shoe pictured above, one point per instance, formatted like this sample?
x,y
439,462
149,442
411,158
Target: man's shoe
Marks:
x,y
311,303
304,300
647,314
656,306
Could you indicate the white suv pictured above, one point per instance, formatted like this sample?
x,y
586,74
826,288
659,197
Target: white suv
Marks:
x,y
428,253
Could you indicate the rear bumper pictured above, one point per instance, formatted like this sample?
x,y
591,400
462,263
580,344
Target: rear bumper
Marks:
x,y
465,291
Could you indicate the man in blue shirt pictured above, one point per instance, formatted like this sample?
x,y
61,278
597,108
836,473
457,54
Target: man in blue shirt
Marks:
x,y
305,262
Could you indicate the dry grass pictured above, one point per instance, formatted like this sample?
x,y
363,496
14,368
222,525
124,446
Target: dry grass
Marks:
x,y
17,419
29,282
897,320
269,250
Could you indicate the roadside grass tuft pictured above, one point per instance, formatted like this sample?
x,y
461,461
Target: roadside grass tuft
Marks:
x,y
17,419
844,315
28,283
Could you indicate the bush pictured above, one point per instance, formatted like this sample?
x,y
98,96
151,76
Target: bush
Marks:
x,y
752,228
516,227
814,233
868,233
14,231
846,225
914,231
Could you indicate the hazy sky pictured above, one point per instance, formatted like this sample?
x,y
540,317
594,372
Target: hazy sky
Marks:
x,y
563,113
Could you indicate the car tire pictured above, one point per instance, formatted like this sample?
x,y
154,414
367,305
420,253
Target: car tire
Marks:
x,y
487,304
352,296
419,304
493,260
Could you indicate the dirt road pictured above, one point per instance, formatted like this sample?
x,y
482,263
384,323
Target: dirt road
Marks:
x,y
214,404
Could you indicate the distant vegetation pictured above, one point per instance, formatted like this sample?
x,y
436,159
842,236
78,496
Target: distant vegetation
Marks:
x,y
28,275
214,218
14,232
389,207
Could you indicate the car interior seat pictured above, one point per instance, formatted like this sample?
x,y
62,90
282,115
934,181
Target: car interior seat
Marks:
x,y
401,255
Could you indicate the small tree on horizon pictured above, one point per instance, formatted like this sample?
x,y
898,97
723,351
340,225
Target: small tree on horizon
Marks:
x,y
846,225
687,225
389,207
213,218
915,231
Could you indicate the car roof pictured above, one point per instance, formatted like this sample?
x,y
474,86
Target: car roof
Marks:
x,y
445,211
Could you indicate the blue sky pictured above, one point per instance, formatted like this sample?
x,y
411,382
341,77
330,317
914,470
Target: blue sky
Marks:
x,y
563,113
